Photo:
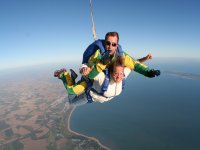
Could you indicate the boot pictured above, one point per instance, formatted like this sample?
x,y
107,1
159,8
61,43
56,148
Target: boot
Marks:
x,y
73,75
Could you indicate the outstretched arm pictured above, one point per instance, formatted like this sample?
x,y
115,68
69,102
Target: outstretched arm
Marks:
x,y
129,62
139,67
143,59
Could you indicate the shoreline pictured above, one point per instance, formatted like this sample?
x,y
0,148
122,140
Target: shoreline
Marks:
x,y
79,134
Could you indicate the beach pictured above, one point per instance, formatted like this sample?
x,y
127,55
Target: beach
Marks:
x,y
72,109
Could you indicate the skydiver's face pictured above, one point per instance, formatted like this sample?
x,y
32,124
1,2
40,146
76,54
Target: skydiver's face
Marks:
x,y
118,74
111,44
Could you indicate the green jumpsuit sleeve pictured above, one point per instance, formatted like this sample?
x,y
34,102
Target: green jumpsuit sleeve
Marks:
x,y
135,65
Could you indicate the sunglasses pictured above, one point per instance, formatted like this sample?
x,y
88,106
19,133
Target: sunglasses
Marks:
x,y
110,43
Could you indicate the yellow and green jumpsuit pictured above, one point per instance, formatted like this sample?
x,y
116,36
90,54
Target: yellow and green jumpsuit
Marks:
x,y
94,60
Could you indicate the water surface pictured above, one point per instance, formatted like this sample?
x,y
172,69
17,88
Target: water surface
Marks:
x,y
155,114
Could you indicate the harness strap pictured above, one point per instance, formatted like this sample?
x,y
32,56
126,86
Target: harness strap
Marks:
x,y
119,50
102,94
106,82
99,93
100,44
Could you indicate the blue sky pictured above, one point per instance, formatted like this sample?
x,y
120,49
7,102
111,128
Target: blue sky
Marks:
x,y
48,31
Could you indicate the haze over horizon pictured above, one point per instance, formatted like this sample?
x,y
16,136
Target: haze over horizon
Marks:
x,y
41,32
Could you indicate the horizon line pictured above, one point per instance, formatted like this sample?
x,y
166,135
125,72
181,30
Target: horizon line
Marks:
x,y
61,62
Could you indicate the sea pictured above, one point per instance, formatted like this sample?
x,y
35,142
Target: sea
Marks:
x,y
161,113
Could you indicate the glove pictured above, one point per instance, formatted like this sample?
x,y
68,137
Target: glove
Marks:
x,y
152,73
106,57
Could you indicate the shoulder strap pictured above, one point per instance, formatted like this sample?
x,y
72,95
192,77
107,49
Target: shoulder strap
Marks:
x,y
106,82
90,50
100,45
119,51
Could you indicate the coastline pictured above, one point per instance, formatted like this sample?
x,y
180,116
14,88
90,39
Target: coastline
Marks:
x,y
79,134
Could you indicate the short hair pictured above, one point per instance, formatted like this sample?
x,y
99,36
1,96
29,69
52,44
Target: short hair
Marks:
x,y
118,62
112,34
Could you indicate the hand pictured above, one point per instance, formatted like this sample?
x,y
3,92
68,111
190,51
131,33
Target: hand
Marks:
x,y
85,70
152,73
149,56
106,57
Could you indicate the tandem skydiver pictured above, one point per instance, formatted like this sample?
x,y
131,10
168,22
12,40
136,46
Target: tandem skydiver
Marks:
x,y
103,87
98,57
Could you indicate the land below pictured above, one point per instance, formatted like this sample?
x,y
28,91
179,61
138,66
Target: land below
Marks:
x,y
35,114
